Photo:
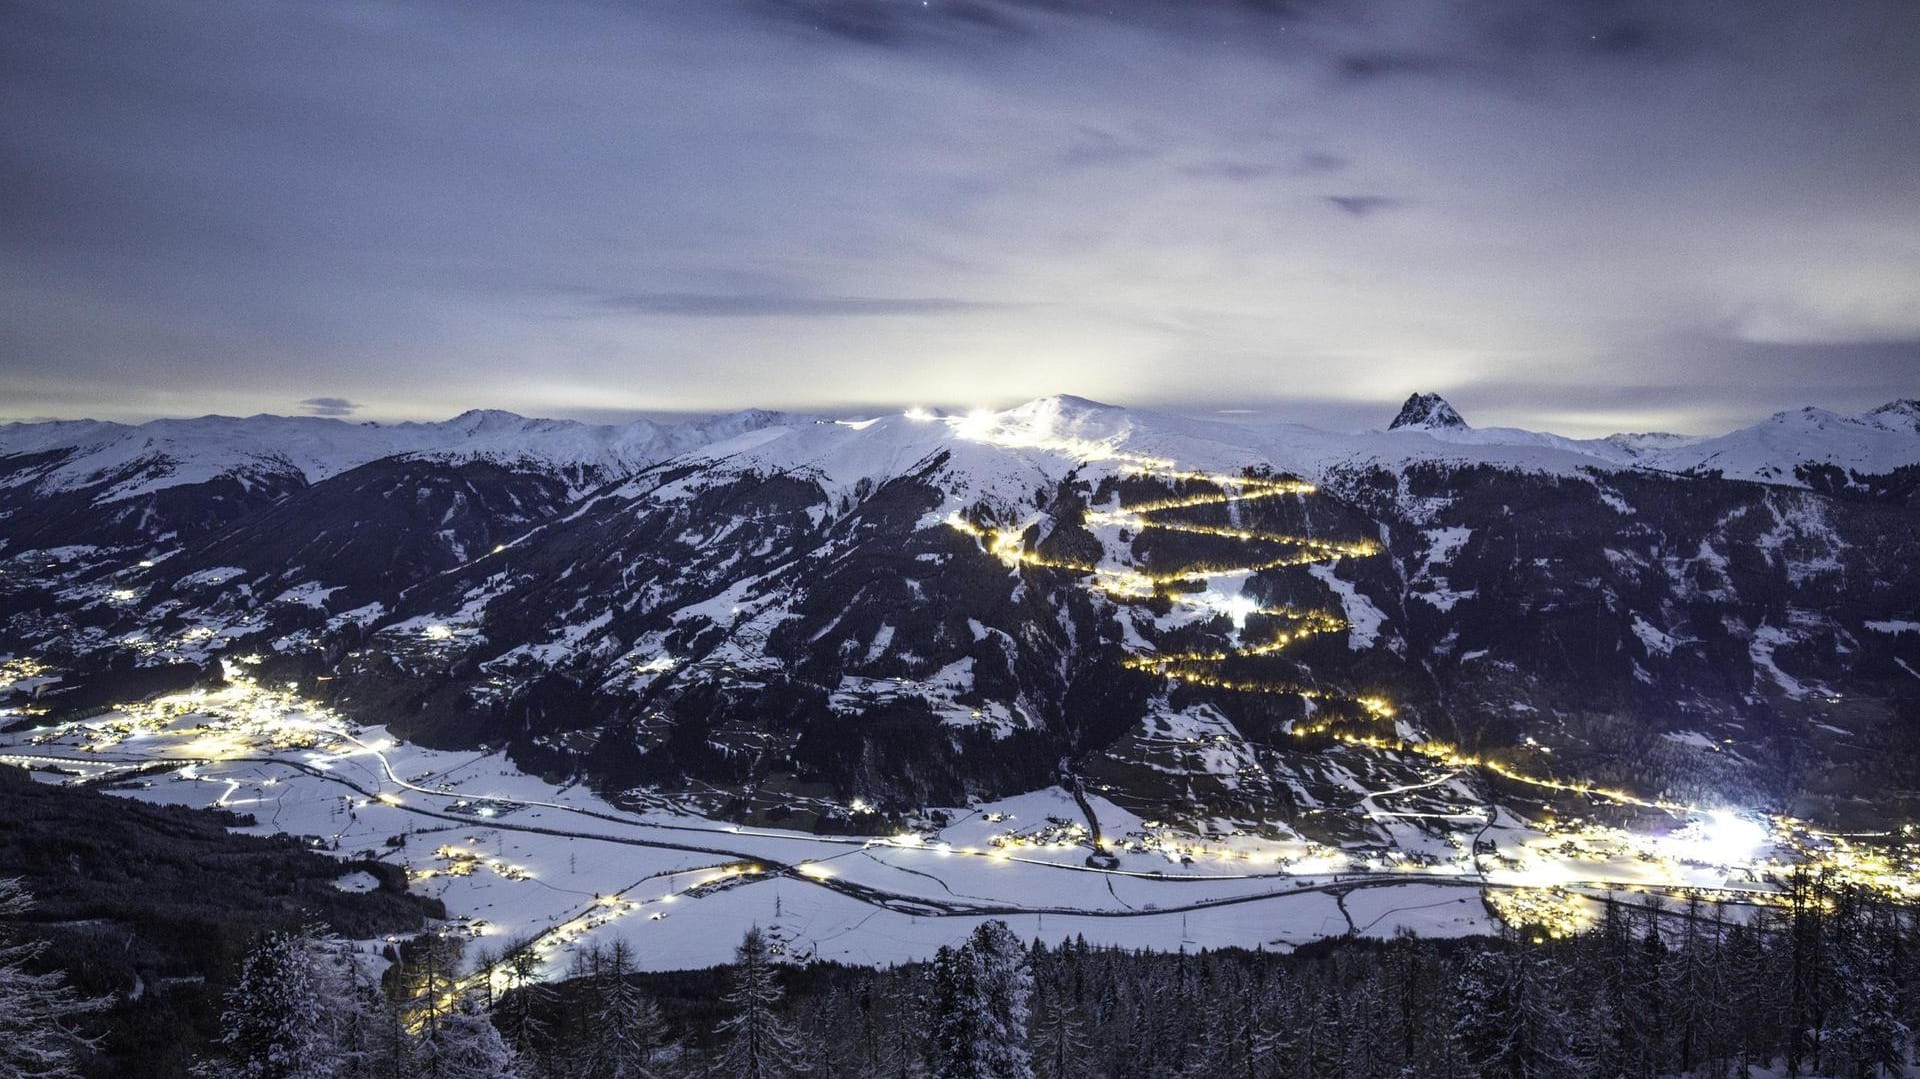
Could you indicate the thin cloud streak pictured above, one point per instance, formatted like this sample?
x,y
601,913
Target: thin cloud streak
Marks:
x,y
703,305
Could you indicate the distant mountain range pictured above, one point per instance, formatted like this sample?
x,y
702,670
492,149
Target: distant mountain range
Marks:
x,y
116,462
1213,621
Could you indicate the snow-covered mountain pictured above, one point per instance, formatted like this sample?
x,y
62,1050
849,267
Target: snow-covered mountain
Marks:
x,y
171,481
916,608
117,461
1789,448
1783,448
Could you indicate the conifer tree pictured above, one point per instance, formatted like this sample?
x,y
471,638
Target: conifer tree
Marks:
x,y
958,1026
523,999
272,1025
1059,1041
38,1036
1868,1035
429,978
757,1043
465,1044
624,1032
1511,1025
982,991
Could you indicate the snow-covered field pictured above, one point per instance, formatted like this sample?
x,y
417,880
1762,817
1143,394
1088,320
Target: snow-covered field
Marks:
x,y
514,857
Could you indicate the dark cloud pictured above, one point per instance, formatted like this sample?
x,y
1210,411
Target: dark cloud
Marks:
x,y
1629,32
1364,205
1374,65
998,23
330,406
1315,161
1306,164
1238,171
897,23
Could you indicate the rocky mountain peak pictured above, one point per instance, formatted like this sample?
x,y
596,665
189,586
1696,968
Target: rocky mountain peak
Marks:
x,y
1428,412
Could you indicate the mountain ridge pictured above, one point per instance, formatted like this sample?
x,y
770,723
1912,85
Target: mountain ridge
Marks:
x,y
170,452
919,608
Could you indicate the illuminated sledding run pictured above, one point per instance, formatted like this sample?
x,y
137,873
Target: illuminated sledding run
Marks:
x,y
1204,668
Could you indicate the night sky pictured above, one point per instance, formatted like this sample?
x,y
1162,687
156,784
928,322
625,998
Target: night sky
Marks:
x,y
1581,216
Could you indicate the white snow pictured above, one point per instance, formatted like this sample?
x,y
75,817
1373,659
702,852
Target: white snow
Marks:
x,y
357,881
1692,738
216,575
309,594
511,855
1444,543
1001,456
1363,618
1760,650
1871,443
1656,642
307,449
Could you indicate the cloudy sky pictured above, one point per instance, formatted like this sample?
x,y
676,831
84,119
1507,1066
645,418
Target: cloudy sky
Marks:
x,y
1582,215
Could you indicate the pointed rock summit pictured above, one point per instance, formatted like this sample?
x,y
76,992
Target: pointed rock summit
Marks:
x,y
1428,412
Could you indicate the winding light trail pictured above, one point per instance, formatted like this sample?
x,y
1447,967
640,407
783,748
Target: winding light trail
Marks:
x,y
1203,667
1128,584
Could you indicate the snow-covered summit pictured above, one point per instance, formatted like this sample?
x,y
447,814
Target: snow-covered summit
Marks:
x,y
1871,443
1007,450
996,454
131,460
1901,416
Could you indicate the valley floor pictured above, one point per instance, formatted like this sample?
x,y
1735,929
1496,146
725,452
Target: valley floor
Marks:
x,y
557,868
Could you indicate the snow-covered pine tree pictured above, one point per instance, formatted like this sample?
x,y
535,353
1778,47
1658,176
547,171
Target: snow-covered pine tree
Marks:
x,y
1808,970
306,1006
1867,1032
1750,998
38,1039
1653,982
359,1022
1690,991
1322,1046
1006,986
903,1026
1511,1024
855,1050
757,1043
1059,1041
273,1025
1717,1013
982,991
957,1022
464,1044
1418,1003
1364,1055
869,1017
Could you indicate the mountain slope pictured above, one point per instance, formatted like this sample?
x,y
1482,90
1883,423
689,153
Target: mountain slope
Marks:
x,y
1212,620
180,478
